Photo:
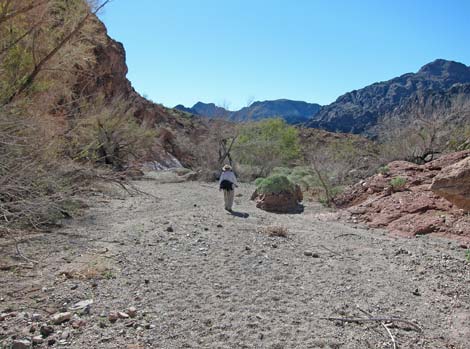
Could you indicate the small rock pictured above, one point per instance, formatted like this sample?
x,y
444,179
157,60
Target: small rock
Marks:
x,y
74,287
33,328
416,292
113,316
247,248
78,323
83,306
147,281
36,317
38,340
170,229
21,344
123,315
132,312
51,342
60,318
220,226
315,255
65,335
3,317
46,330
308,253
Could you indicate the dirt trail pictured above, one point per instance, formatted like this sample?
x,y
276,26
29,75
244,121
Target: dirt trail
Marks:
x,y
213,280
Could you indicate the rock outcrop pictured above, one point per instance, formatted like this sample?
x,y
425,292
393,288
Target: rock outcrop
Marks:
x,y
453,183
411,208
283,202
107,79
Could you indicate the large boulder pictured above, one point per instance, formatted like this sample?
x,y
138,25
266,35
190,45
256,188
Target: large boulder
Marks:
x,y
282,202
453,184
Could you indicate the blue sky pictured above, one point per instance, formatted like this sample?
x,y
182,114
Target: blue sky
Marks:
x,y
232,51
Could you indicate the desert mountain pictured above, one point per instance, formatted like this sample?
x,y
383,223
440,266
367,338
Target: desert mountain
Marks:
x,y
439,88
294,112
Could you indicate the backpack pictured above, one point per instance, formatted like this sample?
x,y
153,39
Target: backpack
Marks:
x,y
226,185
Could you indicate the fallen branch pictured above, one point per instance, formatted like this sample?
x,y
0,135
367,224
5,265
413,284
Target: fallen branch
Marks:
x,y
375,319
347,234
336,253
383,325
18,252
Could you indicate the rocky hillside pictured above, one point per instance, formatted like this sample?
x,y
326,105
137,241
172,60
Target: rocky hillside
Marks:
x,y
294,112
438,88
110,80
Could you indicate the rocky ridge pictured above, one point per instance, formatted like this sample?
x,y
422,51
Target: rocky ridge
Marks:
x,y
439,88
293,112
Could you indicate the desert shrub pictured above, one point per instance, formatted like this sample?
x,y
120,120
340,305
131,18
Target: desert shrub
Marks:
x,y
383,170
34,190
459,138
110,135
266,144
422,139
285,171
212,148
308,182
258,181
333,192
275,184
398,183
298,175
275,231
302,176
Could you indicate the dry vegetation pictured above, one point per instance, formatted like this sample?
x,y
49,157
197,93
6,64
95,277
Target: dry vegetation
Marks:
x,y
46,61
275,231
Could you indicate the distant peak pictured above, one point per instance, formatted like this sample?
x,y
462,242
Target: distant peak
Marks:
x,y
441,66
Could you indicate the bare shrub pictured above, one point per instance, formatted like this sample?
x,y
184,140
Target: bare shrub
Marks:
x,y
275,231
338,163
212,148
110,135
418,141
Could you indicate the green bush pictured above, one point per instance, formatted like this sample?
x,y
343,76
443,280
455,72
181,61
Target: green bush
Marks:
x,y
285,171
398,183
275,184
266,144
258,181
383,169
301,171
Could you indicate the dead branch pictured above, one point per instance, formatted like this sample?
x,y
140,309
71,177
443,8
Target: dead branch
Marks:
x,y
347,234
383,325
374,319
18,252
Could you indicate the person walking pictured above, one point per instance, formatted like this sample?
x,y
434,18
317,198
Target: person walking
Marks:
x,y
228,183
